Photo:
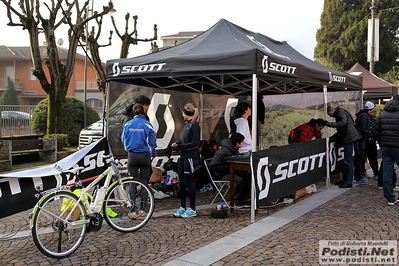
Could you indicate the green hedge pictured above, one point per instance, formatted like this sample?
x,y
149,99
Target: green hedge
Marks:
x,y
73,119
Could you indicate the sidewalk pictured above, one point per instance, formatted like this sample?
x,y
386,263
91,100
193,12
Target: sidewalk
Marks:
x,y
283,235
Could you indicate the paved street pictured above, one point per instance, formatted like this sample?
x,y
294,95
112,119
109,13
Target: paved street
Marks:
x,y
287,234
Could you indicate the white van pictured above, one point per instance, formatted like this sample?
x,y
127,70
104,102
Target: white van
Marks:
x,y
91,134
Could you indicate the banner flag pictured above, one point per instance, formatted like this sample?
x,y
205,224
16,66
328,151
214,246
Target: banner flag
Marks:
x,y
17,189
283,170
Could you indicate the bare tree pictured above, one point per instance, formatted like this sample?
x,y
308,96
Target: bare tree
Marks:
x,y
93,47
131,38
31,18
127,40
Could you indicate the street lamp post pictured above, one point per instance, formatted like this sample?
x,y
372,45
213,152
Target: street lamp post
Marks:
x,y
85,70
372,46
85,82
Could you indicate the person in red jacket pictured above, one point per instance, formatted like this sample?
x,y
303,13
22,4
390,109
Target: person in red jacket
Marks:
x,y
307,131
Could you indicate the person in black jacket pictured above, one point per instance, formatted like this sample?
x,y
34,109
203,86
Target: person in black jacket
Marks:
x,y
363,125
202,179
188,161
363,122
144,101
346,135
220,168
388,139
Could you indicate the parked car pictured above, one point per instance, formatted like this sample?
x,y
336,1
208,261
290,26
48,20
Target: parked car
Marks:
x,y
15,115
14,123
91,134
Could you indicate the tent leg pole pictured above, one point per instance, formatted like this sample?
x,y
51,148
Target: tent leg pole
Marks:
x,y
254,137
327,138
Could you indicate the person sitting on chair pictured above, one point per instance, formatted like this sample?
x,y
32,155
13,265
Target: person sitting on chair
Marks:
x,y
220,168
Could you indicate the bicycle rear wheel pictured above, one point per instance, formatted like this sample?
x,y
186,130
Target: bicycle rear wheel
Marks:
x,y
117,212
58,228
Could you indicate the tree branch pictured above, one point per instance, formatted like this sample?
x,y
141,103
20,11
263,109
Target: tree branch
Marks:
x,y
9,9
66,14
115,28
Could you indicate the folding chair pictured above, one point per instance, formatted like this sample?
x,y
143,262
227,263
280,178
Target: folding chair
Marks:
x,y
222,186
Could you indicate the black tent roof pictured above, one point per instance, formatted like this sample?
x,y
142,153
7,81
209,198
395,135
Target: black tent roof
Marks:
x,y
375,87
223,60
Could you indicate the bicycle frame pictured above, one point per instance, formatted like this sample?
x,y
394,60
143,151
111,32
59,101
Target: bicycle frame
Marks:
x,y
61,218
82,197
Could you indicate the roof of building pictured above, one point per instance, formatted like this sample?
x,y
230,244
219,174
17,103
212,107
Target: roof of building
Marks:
x,y
23,53
183,35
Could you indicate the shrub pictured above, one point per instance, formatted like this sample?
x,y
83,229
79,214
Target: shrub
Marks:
x,y
379,108
73,118
9,96
62,140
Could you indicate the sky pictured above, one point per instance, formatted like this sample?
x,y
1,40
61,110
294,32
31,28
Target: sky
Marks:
x,y
293,21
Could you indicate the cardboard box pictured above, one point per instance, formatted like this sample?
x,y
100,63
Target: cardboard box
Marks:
x,y
156,175
300,193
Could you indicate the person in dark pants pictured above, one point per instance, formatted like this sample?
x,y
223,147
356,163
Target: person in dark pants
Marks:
x,y
346,135
380,178
388,138
202,179
138,139
144,101
371,153
366,144
220,168
363,122
188,161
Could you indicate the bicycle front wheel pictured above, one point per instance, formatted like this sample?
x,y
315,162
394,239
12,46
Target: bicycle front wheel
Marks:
x,y
128,206
59,224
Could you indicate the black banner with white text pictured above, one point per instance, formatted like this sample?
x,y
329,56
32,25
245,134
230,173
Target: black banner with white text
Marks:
x,y
281,171
17,189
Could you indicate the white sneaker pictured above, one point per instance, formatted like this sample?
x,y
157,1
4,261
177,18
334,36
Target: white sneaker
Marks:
x,y
393,203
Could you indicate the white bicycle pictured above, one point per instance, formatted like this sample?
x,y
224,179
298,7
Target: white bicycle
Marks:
x,y
63,216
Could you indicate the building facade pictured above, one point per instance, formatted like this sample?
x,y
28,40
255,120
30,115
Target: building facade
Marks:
x,y
175,39
16,64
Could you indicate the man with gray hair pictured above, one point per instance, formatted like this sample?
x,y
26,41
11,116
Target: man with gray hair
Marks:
x,y
346,136
388,138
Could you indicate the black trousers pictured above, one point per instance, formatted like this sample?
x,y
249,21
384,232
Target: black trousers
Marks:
x,y
370,151
359,147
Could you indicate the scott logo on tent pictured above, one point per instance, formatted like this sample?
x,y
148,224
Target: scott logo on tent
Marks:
x,y
336,78
116,70
276,67
285,171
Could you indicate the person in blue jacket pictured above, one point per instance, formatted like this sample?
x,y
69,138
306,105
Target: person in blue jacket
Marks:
x,y
188,161
138,139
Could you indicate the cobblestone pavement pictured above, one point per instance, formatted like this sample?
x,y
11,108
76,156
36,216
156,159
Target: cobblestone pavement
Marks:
x,y
360,213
